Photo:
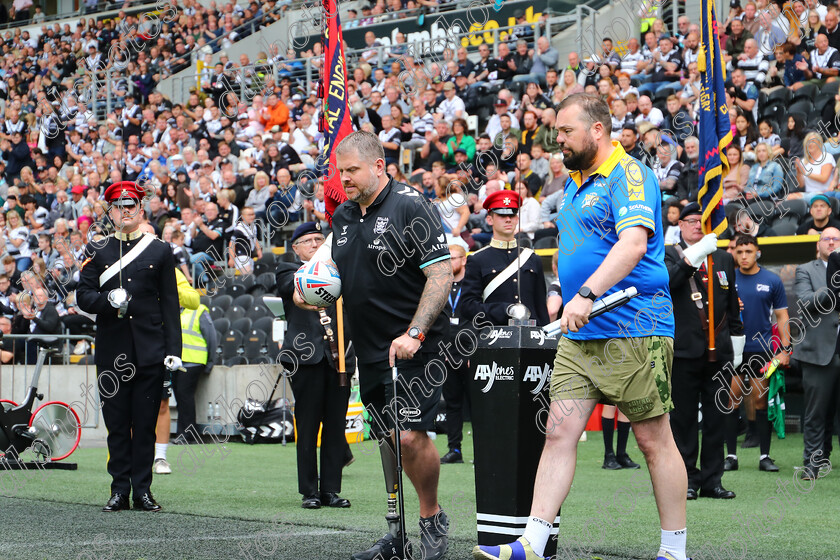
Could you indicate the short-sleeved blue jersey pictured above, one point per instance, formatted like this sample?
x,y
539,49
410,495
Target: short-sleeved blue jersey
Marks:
x,y
762,293
621,193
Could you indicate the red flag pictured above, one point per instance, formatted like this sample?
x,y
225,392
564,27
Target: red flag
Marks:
x,y
335,120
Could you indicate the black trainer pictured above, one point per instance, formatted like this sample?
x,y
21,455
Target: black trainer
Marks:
x,y
434,536
767,465
730,463
386,548
453,456
610,462
626,462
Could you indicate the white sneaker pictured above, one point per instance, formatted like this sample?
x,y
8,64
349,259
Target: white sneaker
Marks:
x,y
161,466
81,347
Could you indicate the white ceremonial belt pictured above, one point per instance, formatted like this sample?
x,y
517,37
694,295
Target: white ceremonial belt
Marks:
x,y
511,269
112,271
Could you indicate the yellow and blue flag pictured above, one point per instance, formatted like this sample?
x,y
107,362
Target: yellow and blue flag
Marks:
x,y
713,130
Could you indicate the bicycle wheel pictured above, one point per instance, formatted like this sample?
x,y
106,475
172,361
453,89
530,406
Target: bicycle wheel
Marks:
x,y
7,404
58,428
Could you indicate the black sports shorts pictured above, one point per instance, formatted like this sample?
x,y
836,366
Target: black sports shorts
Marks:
x,y
419,388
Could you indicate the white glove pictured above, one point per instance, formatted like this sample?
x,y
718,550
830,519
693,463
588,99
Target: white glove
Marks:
x,y
324,252
738,343
698,252
173,363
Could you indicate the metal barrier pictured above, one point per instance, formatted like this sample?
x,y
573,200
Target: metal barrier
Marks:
x,y
46,380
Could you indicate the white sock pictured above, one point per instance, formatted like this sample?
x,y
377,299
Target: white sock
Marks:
x,y
731,455
537,532
763,456
673,542
160,450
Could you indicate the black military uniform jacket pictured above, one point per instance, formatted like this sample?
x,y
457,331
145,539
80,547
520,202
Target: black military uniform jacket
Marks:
x,y
152,324
690,340
314,345
488,262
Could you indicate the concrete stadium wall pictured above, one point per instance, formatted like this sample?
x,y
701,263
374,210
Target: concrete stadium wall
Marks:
x,y
76,386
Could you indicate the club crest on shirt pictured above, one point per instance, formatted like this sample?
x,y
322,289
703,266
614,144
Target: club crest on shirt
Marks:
x,y
381,225
590,200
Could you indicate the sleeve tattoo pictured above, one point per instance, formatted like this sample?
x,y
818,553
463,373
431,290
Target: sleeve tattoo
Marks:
x,y
438,285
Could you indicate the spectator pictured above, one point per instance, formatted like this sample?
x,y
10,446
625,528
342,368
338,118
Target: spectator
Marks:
x,y
766,177
816,170
752,62
824,63
16,153
275,113
737,178
821,217
543,58
793,63
668,170
664,67
744,93
737,39
17,241
390,138
451,204
688,181
648,113
244,245
37,316
459,140
529,210
452,107
206,233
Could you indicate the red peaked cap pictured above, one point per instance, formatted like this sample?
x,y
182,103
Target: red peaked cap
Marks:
x,y
124,193
502,202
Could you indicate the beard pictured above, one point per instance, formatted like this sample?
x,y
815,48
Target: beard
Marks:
x,y
364,192
583,159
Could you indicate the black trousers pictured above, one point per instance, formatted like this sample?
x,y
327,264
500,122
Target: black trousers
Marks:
x,y
183,385
130,405
319,400
693,383
455,392
822,392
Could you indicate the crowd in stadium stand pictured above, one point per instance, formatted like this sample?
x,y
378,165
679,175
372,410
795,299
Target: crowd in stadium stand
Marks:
x,y
474,119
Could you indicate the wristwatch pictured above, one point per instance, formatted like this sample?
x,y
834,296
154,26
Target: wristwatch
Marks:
x,y
415,332
587,293
787,349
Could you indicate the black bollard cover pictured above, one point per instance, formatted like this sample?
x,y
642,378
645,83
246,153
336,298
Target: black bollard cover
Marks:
x,y
510,372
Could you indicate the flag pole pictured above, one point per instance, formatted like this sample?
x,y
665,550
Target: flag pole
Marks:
x,y
342,366
711,293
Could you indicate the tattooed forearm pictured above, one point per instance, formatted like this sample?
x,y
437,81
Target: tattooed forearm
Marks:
x,y
438,285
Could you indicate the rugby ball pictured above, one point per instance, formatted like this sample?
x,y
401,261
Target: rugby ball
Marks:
x,y
318,283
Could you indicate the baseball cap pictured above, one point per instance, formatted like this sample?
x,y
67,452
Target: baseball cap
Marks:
x,y
821,197
448,85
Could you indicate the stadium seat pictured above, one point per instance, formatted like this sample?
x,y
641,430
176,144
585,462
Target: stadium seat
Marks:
x,y
785,225
258,311
780,96
796,207
830,88
223,301
762,101
272,350
835,206
822,100
808,91
254,345
242,324
205,300
248,280
262,268
265,324
235,288
222,324
236,361
234,313
244,301
777,113
524,241
267,281
216,312
546,243
472,124
803,106
232,344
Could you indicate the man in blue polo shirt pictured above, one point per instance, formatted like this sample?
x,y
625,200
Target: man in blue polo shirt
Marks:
x,y
610,238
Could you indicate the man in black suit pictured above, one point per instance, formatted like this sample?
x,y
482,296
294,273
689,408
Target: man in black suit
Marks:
x,y
319,399
128,281
696,372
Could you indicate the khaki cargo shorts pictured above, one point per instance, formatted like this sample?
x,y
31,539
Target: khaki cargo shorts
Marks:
x,y
632,373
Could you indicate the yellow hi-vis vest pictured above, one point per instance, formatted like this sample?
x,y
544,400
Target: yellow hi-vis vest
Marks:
x,y
194,347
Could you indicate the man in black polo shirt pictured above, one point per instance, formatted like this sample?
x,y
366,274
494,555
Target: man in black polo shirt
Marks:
x,y
390,248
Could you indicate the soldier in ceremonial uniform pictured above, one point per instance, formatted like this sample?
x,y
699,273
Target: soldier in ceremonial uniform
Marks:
x,y
128,281
491,281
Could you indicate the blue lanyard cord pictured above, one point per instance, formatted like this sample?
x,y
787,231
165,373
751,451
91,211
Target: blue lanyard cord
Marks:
x,y
457,298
